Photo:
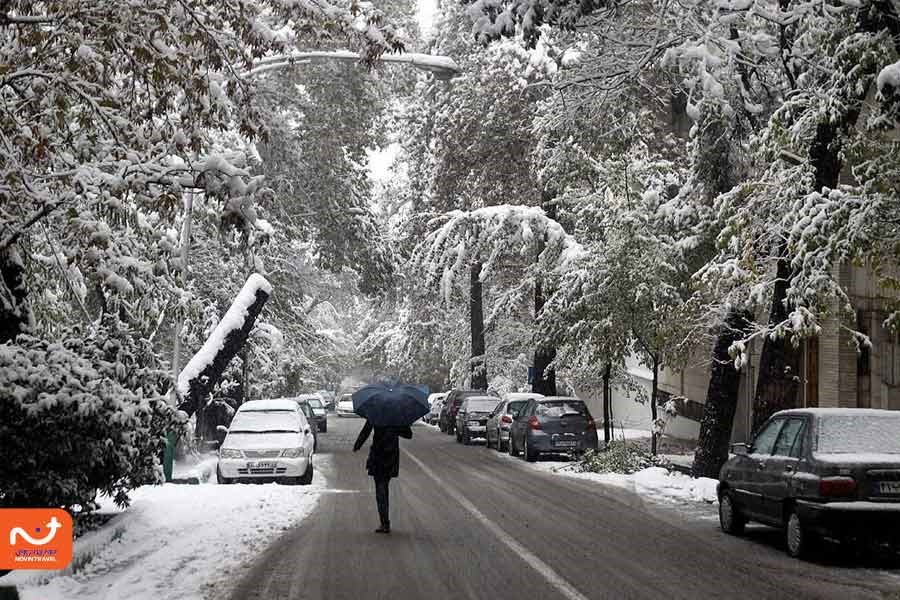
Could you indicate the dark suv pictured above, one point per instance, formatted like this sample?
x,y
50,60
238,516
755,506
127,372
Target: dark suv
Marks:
x,y
447,420
472,416
818,472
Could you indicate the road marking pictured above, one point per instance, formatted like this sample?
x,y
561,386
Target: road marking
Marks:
x,y
543,569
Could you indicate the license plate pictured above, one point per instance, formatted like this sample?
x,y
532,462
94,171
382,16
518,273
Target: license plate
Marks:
x,y
262,465
888,487
474,424
565,444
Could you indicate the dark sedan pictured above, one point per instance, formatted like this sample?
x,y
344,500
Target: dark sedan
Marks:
x,y
452,402
471,419
832,473
552,425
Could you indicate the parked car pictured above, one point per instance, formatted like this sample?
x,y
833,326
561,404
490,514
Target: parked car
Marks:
x,y
320,413
267,440
818,473
451,406
499,421
307,412
552,425
327,397
435,401
345,406
471,419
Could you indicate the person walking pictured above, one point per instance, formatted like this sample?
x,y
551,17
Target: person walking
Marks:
x,y
383,463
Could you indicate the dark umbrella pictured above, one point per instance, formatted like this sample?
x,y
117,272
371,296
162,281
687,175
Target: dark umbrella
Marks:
x,y
391,406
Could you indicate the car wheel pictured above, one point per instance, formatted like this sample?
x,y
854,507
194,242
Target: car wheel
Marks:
x,y
512,446
324,428
730,518
529,455
466,438
501,447
798,538
307,476
487,436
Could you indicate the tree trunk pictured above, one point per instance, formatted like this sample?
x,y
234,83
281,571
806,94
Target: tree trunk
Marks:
x,y
654,436
544,381
779,363
721,399
476,323
15,314
201,385
607,400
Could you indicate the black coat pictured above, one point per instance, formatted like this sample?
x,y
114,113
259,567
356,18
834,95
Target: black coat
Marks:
x,y
384,455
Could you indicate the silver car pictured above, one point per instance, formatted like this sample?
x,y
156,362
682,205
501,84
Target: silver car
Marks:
x,y
500,420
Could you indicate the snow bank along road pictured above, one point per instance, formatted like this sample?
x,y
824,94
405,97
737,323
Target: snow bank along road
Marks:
x,y
470,523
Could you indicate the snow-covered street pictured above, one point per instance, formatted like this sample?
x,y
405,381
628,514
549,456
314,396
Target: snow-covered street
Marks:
x,y
175,542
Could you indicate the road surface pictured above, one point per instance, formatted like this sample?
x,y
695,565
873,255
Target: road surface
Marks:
x,y
469,523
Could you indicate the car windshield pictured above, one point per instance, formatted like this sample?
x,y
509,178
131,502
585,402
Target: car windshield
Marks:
x,y
858,434
561,408
480,405
265,421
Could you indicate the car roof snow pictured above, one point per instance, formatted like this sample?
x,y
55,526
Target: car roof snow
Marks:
x,y
270,404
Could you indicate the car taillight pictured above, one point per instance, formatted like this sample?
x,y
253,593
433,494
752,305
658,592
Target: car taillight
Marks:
x,y
840,487
506,419
590,425
534,423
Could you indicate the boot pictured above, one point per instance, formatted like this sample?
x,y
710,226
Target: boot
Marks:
x,y
385,527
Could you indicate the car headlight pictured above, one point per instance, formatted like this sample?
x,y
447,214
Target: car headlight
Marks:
x,y
230,453
292,453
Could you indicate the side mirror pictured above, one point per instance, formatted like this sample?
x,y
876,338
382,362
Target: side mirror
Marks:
x,y
306,431
740,449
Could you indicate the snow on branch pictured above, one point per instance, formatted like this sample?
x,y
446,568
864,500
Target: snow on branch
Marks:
x,y
489,235
203,370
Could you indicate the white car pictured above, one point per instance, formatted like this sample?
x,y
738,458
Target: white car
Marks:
x,y
345,406
267,440
436,402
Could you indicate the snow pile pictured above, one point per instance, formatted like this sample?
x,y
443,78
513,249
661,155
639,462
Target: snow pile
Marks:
x,y
232,321
176,542
663,483
653,482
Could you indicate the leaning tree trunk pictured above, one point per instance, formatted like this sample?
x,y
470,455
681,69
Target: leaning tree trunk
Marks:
x,y
204,370
476,323
721,399
15,315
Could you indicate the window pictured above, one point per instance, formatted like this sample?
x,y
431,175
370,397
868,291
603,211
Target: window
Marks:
x,y
559,409
515,406
789,440
765,439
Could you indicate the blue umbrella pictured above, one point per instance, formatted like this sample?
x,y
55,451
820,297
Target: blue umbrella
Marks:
x,y
391,405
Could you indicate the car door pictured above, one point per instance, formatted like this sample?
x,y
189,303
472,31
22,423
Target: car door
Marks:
x,y
517,429
493,423
775,481
748,479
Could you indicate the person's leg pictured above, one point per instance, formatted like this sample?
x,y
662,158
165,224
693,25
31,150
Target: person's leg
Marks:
x,y
381,498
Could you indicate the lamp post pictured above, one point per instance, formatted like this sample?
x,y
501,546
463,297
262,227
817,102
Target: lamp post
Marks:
x,y
442,67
